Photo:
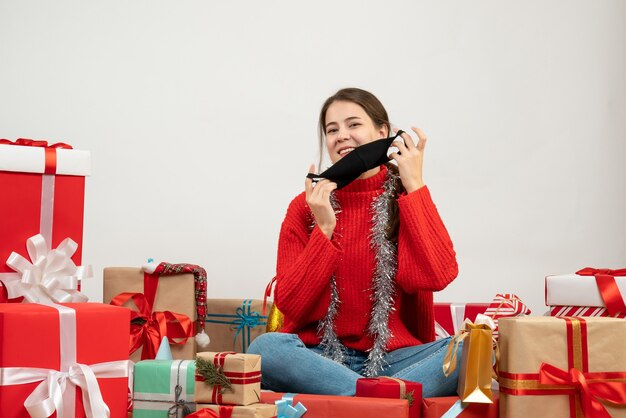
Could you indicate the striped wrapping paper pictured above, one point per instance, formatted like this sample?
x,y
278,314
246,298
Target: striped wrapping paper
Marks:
x,y
583,311
505,305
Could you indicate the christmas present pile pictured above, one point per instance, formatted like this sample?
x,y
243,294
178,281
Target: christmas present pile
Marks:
x,y
84,368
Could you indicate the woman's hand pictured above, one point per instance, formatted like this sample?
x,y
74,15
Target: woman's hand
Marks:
x,y
410,159
318,199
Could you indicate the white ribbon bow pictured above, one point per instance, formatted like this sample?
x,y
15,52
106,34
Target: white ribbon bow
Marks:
x,y
48,395
50,276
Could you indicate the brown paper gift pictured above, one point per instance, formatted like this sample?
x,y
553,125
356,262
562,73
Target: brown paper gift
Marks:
x,y
562,367
228,378
257,410
174,293
232,324
476,365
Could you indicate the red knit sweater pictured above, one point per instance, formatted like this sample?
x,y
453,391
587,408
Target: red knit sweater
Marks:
x,y
307,260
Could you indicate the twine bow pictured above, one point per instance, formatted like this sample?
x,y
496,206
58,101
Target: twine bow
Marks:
x,y
180,405
607,286
591,390
50,276
148,328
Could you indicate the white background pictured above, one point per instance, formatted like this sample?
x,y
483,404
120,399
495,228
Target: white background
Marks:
x,y
201,119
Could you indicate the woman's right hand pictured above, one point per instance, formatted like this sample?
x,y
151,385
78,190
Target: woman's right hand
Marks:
x,y
318,199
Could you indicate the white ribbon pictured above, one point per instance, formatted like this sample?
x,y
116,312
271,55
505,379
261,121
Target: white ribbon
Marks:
x,y
54,393
50,276
457,312
48,395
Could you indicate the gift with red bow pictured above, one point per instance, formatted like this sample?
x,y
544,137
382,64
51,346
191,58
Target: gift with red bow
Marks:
x,y
166,300
43,190
562,367
588,292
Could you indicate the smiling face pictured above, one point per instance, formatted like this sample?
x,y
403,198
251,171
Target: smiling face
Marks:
x,y
347,127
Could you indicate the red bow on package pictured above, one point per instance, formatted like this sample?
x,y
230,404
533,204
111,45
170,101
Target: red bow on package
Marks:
x,y
605,279
592,387
25,142
148,328
205,413
50,150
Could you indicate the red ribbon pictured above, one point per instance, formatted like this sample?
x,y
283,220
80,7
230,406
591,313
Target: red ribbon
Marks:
x,y
607,286
268,293
590,391
154,325
50,151
204,413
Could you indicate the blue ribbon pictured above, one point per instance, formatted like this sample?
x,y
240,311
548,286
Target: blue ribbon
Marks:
x,y
455,410
285,408
242,322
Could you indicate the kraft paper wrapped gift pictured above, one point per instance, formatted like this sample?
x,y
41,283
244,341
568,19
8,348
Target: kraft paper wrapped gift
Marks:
x,y
257,410
232,324
174,293
324,406
78,339
438,407
42,192
390,387
588,292
155,388
228,378
562,367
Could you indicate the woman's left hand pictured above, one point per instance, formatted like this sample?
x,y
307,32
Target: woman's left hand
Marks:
x,y
410,159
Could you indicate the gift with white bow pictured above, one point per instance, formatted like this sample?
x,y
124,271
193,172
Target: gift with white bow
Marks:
x,y
43,190
71,359
47,276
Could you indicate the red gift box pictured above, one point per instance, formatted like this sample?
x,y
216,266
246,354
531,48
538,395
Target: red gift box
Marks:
x,y
88,339
389,387
451,316
42,190
323,406
437,407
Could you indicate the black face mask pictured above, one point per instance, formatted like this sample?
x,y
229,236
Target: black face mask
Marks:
x,y
357,162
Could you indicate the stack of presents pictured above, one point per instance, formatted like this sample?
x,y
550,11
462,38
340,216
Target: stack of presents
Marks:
x,y
157,347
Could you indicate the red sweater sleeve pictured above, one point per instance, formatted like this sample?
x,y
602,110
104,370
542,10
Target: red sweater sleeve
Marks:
x,y
306,261
426,257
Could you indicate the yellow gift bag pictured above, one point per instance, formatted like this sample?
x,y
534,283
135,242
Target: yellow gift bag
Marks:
x,y
476,366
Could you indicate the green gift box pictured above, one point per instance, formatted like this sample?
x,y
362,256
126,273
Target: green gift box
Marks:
x,y
164,388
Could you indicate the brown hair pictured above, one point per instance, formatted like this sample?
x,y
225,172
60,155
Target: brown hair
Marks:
x,y
376,111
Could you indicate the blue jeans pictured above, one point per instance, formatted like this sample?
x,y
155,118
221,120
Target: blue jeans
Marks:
x,y
287,365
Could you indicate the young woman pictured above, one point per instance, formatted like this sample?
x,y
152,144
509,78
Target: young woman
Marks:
x,y
357,267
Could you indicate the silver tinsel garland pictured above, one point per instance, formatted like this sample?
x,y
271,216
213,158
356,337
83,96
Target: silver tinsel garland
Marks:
x,y
383,287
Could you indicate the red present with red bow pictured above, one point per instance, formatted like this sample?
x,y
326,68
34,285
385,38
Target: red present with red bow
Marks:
x,y
43,189
588,292
67,357
390,387
562,367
